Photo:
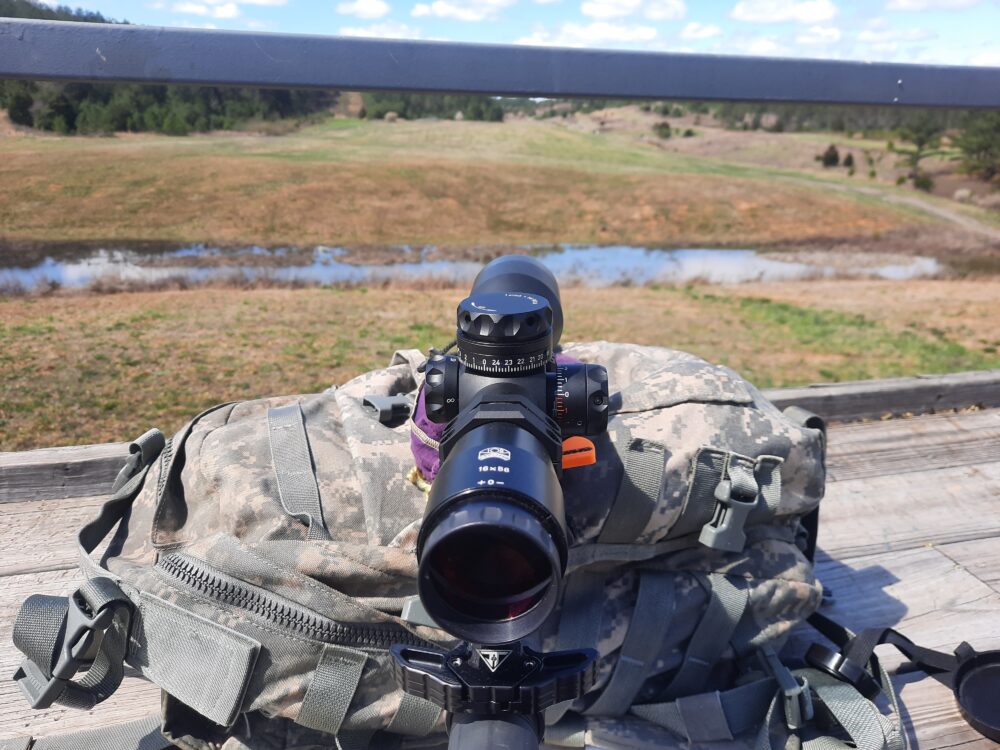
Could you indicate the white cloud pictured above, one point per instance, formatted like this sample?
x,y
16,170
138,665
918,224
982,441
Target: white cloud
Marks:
x,y
695,30
461,10
599,33
609,8
656,10
364,8
872,36
272,3
386,30
818,36
928,4
211,9
665,10
777,11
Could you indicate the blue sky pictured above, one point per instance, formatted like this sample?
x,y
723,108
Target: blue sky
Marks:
x,y
951,32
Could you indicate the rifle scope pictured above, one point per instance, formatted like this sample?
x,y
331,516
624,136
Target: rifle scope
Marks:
x,y
492,548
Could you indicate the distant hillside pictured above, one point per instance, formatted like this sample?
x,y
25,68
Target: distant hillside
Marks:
x,y
32,9
173,110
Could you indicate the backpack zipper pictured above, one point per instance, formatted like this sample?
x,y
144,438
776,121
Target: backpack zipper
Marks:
x,y
197,575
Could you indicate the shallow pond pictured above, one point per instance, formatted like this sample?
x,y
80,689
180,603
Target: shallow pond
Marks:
x,y
593,266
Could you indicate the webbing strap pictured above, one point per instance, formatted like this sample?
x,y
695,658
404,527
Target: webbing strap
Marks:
x,y
654,609
593,555
860,718
579,621
415,716
293,468
639,492
142,734
711,717
203,664
331,690
727,602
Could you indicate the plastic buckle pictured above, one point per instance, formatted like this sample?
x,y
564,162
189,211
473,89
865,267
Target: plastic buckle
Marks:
x,y
84,634
388,409
725,530
837,665
795,691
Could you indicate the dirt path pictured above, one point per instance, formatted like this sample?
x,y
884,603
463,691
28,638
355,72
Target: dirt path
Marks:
x,y
958,218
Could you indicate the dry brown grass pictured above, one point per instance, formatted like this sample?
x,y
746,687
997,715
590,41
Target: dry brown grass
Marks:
x,y
81,369
441,183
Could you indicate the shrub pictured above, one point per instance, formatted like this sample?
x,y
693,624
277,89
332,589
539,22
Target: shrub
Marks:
x,y
849,161
662,129
901,180
830,157
923,181
689,133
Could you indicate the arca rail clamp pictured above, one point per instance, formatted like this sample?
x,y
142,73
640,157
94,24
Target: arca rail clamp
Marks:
x,y
494,696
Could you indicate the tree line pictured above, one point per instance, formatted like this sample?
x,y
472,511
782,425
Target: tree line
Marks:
x,y
414,106
86,108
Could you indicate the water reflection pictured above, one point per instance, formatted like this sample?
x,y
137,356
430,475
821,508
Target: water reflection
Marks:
x,y
593,266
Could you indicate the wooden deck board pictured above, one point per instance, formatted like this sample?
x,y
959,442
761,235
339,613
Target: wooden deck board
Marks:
x,y
908,537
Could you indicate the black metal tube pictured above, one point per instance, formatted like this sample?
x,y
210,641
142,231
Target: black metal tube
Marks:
x,y
63,51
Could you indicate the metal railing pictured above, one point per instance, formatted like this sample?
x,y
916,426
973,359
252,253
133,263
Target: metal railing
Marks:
x,y
50,50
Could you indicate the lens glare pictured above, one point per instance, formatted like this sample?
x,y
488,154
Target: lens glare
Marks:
x,y
489,574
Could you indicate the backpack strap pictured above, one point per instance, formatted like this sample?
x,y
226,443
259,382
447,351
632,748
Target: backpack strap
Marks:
x,y
728,601
654,609
141,734
294,470
713,717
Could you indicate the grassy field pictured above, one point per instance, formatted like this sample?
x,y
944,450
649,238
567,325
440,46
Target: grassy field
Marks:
x,y
447,183
81,369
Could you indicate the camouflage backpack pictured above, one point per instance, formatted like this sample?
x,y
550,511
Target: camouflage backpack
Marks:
x,y
264,557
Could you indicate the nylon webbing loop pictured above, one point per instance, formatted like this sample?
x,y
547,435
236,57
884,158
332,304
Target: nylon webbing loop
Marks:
x,y
415,716
654,609
727,602
142,452
331,690
639,492
293,468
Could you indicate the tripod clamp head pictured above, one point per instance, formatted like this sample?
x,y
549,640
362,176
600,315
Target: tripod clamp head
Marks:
x,y
492,682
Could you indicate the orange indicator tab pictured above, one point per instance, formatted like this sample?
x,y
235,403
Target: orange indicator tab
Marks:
x,y
578,451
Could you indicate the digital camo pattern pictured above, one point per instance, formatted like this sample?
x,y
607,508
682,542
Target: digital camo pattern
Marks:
x,y
213,496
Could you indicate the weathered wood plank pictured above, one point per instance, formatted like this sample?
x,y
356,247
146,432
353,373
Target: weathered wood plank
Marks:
x,y
135,698
36,536
51,473
980,557
874,398
899,512
901,446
